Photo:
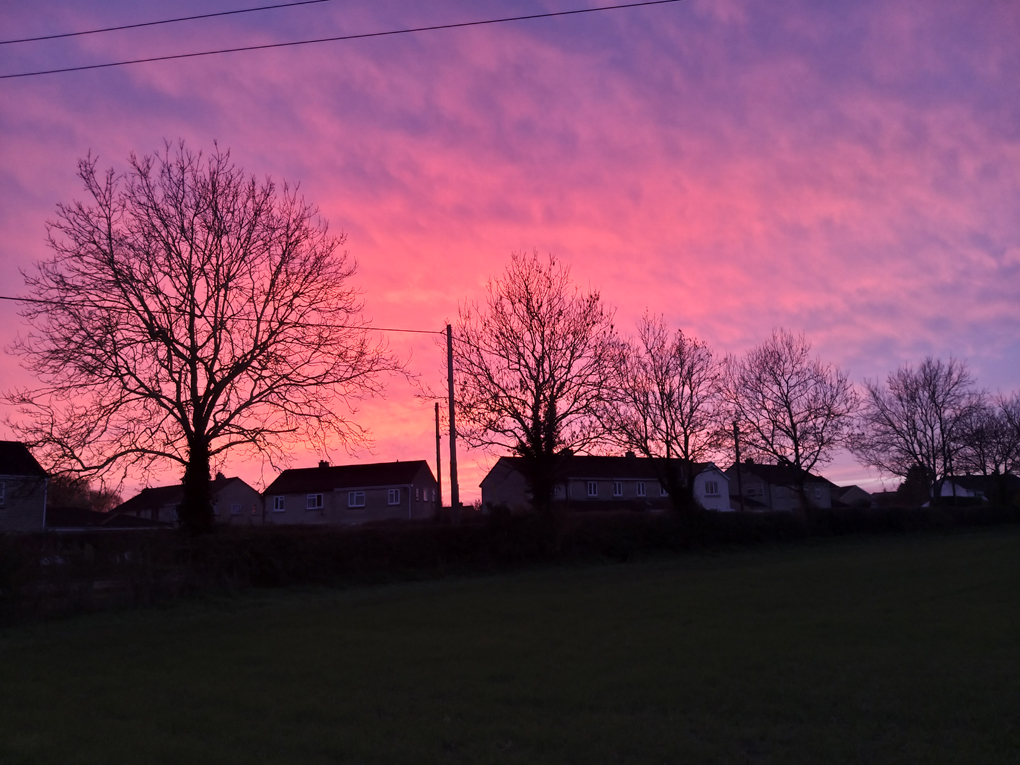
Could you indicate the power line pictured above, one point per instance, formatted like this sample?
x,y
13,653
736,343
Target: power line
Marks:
x,y
156,23
361,36
64,303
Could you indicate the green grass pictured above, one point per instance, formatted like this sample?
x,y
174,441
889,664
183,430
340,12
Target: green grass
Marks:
x,y
887,651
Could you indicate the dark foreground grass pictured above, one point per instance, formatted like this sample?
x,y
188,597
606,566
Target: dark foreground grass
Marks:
x,y
888,651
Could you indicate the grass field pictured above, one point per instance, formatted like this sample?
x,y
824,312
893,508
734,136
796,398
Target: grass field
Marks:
x,y
861,651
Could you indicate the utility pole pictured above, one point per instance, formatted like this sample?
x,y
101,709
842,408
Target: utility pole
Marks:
x,y
439,468
736,444
454,489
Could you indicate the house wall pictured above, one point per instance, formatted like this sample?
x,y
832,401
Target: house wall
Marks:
x,y
780,498
24,504
251,507
720,500
415,502
505,487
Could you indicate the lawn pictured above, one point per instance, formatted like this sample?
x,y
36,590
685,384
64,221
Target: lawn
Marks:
x,y
858,651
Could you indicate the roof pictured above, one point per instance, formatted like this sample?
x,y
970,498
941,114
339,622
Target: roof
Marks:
x,y
330,477
780,475
581,467
16,459
160,496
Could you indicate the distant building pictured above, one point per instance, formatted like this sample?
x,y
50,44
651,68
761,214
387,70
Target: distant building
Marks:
x,y
23,484
234,503
349,494
851,496
593,482
776,487
1003,488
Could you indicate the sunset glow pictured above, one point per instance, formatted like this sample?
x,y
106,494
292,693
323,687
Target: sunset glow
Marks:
x,y
850,170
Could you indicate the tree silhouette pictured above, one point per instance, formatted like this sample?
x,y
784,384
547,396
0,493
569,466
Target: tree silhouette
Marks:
x,y
916,420
187,310
532,368
665,404
789,407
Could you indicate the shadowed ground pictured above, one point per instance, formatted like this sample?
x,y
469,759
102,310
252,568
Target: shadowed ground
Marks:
x,y
904,650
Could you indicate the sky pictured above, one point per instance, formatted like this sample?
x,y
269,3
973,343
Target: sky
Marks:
x,y
849,170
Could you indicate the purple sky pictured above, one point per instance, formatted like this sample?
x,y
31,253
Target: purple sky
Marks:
x,y
850,170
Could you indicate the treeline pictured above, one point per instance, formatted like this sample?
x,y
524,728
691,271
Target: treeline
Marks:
x,y
542,371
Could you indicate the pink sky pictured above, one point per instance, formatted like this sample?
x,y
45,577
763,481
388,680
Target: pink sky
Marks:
x,y
850,170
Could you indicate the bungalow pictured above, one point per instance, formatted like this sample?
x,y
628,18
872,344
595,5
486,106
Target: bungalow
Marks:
x,y
234,503
23,484
591,482
776,487
349,494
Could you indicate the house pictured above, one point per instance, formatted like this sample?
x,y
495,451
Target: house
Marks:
x,y
234,503
851,496
23,484
349,494
776,487
592,482
989,488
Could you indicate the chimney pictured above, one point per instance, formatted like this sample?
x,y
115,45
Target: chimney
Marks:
x,y
323,464
631,455
749,461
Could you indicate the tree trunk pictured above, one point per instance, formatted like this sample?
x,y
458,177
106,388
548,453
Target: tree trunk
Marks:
x,y
195,514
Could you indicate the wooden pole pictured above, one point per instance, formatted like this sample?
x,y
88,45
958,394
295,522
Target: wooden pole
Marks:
x,y
736,445
439,467
454,489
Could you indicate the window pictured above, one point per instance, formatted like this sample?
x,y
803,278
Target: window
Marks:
x,y
3,493
593,489
314,502
235,508
215,508
617,488
641,488
433,495
416,494
818,493
355,499
662,491
278,505
393,497
711,488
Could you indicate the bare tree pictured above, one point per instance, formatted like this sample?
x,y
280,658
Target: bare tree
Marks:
x,y
532,368
789,406
665,404
917,419
188,310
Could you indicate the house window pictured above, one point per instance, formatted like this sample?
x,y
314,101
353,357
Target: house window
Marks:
x,y
818,493
278,505
662,491
641,488
355,499
416,493
3,493
617,488
393,497
593,489
711,488
215,509
235,508
314,502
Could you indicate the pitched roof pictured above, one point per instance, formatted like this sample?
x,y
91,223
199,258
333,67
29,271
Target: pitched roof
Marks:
x,y
330,477
987,484
160,496
16,459
583,467
780,475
